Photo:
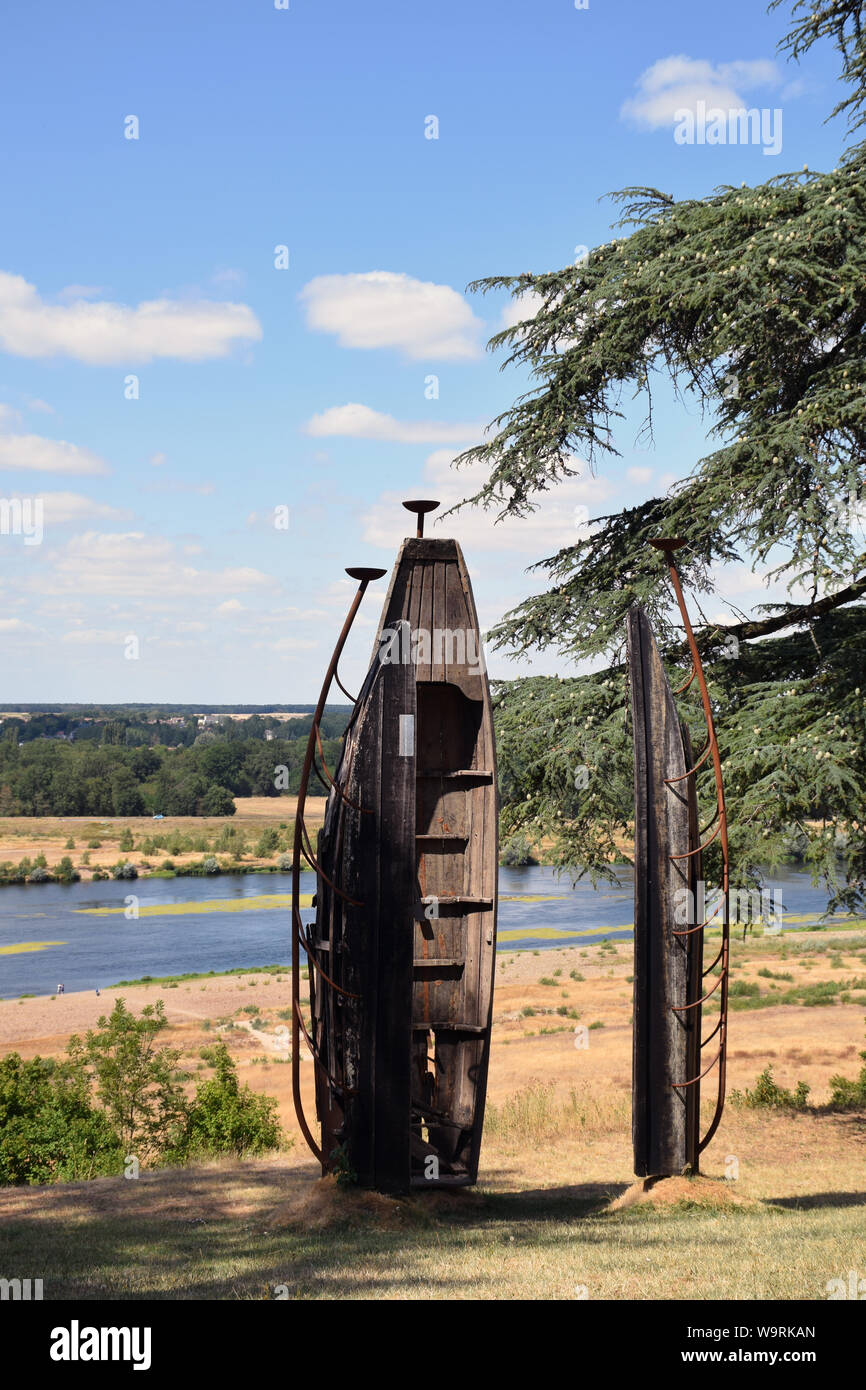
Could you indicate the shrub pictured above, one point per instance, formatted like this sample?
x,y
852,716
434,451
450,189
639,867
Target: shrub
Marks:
x,y
124,870
517,852
66,871
285,862
133,1078
269,843
49,1128
225,1117
849,1095
769,1095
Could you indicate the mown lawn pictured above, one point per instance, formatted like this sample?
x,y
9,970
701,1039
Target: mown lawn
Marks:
x,y
238,1231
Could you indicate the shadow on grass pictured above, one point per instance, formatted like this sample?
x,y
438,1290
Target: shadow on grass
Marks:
x,y
811,1201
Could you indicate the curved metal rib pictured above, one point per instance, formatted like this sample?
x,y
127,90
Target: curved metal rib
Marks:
x,y
364,577
353,698
705,753
668,546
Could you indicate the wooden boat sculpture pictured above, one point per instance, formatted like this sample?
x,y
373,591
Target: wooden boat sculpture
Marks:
x,y
402,953
669,907
668,964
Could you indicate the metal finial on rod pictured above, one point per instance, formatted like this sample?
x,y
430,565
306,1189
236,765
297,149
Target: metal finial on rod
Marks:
x,y
365,576
420,508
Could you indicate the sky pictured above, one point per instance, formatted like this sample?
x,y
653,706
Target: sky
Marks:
x,y
234,326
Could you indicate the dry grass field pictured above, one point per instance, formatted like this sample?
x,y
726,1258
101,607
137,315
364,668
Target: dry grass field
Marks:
x,y
556,1156
48,835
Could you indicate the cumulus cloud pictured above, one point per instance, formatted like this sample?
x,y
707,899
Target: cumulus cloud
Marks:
x,y
94,637
638,474
61,508
102,332
523,306
561,518
383,309
361,422
678,83
33,453
134,565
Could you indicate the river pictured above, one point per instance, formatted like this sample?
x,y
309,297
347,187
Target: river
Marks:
x,y
77,933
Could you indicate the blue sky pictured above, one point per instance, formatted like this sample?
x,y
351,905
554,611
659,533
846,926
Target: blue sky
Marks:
x,y
154,258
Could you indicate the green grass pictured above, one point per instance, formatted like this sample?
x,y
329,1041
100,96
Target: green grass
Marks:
x,y
542,1243
204,975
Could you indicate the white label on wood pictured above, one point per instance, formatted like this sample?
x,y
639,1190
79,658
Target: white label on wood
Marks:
x,y
406,745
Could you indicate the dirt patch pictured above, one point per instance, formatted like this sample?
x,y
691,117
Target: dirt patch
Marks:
x,y
673,1192
324,1205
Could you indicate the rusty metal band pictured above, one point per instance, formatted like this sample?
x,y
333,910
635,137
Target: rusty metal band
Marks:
x,y
297,1021
668,547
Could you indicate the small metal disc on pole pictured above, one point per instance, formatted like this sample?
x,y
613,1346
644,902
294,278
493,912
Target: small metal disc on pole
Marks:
x,y
421,508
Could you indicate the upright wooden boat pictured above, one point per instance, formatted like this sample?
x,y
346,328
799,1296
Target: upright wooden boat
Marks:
x,y
403,948
668,941
670,977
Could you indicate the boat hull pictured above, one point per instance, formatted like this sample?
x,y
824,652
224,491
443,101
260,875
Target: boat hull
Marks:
x,y
406,910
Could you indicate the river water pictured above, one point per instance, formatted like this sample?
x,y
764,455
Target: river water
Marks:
x,y
78,934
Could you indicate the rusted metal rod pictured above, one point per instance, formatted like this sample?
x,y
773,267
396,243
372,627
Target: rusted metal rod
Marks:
x,y
420,508
365,577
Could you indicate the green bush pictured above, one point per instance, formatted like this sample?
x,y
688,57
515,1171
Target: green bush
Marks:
x,y
226,1118
849,1095
268,844
50,1130
517,852
768,1095
124,870
66,871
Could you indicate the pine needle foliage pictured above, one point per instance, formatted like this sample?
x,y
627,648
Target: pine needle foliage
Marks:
x,y
752,302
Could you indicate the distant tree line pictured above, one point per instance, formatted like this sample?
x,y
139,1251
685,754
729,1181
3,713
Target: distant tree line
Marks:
x,y
118,775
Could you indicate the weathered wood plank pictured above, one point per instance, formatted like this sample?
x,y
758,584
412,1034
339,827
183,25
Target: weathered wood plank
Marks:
x,y
662,830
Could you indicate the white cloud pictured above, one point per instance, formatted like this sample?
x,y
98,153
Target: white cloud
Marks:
x,y
289,644
42,406
231,605
361,422
134,565
678,83
59,508
383,309
104,332
523,306
229,276
560,520
93,637
157,460
70,293
39,455
639,475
